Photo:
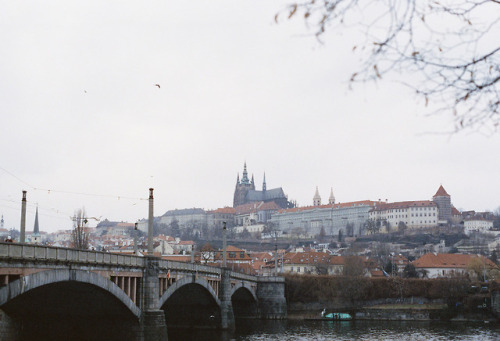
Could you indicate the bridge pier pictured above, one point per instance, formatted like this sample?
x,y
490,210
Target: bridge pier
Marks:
x,y
271,296
226,306
153,325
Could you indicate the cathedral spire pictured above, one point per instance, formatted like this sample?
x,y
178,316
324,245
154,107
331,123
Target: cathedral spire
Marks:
x,y
238,179
244,179
331,200
264,183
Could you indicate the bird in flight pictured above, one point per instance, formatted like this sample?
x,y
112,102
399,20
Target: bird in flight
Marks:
x,y
158,85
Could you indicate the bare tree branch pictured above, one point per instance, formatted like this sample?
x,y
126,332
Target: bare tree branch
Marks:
x,y
447,51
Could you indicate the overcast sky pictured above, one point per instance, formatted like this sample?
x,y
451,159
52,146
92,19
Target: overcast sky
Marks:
x,y
80,113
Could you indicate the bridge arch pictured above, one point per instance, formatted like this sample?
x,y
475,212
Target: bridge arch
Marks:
x,y
191,302
244,286
28,283
185,281
244,301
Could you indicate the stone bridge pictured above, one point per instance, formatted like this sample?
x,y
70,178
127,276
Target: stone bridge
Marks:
x,y
53,293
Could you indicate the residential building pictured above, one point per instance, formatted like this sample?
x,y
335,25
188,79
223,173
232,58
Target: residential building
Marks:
x,y
477,224
414,214
450,264
216,218
234,255
188,217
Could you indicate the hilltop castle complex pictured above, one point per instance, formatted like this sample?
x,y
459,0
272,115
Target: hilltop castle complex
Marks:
x,y
245,192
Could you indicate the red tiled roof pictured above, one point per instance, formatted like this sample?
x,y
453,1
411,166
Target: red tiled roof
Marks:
x,y
268,206
306,258
337,260
247,208
230,248
454,211
405,204
377,273
441,192
448,260
224,210
336,205
125,224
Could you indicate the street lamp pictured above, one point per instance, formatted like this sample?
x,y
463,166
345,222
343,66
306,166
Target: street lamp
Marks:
x,y
276,252
135,240
224,245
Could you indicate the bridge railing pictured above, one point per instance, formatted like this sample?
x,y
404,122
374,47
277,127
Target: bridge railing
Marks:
x,y
189,267
243,277
14,251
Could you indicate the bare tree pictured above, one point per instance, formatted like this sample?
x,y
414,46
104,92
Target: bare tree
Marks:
x,y
449,48
80,234
353,266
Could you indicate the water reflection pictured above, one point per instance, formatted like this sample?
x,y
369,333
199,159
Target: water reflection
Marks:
x,y
253,330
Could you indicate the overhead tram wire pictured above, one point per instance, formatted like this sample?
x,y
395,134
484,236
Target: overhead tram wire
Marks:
x,y
70,192
61,214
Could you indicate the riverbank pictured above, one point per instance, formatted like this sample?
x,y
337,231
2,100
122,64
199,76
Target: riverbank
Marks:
x,y
397,312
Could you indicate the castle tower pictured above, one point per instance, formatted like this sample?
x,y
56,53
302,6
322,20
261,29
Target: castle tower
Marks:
x,y
331,200
443,202
316,198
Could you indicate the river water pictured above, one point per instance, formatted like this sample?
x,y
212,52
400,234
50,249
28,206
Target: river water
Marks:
x,y
251,330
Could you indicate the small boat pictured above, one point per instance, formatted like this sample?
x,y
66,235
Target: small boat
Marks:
x,y
338,316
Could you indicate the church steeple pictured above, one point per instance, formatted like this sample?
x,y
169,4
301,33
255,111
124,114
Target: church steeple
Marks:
x,y
35,237
331,200
1,222
36,228
238,179
316,198
264,183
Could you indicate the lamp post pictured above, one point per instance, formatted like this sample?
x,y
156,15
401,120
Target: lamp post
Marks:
x,y
276,253
22,235
135,240
224,245
192,253
150,223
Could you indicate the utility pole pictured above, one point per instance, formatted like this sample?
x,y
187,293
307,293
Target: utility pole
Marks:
x,y
224,245
22,236
150,223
